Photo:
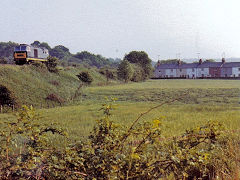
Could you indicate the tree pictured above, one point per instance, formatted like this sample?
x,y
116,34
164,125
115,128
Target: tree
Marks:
x,y
52,64
45,45
92,59
41,45
6,49
141,58
36,43
171,61
59,51
125,70
138,73
210,60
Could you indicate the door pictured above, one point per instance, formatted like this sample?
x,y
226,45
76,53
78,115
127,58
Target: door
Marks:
x,y
35,53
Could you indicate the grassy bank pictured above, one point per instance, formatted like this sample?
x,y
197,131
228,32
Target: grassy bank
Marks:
x,y
31,85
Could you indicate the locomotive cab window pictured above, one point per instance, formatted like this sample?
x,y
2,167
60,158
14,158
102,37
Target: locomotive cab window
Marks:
x,y
17,48
23,48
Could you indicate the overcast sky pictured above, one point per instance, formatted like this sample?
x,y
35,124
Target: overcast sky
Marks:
x,y
113,28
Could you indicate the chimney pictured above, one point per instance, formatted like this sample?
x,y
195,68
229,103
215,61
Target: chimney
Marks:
x,y
223,60
158,63
200,61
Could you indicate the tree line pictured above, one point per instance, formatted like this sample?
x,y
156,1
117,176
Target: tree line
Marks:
x,y
61,52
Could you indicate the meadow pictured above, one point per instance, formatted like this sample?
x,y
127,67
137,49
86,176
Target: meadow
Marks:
x,y
200,101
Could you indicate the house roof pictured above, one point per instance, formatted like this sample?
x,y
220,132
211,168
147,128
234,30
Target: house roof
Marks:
x,y
197,65
231,64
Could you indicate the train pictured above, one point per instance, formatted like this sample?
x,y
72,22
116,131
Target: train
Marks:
x,y
24,54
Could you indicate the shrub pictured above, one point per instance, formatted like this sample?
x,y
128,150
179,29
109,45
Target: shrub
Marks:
x,y
85,77
117,152
3,60
52,64
25,151
6,96
138,73
39,66
125,71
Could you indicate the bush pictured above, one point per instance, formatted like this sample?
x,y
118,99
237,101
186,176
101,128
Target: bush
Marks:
x,y
39,66
52,64
137,74
85,77
3,60
6,96
125,71
117,152
25,152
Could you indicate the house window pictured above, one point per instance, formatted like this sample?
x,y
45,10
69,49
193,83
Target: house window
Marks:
x,y
239,69
202,75
239,75
180,70
202,69
159,71
171,70
225,75
192,69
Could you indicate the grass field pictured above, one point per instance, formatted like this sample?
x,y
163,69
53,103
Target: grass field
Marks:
x,y
202,100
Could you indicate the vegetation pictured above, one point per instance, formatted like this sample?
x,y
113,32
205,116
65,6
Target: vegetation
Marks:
x,y
61,52
138,151
31,84
85,77
52,64
155,145
141,59
6,96
6,50
125,71
171,61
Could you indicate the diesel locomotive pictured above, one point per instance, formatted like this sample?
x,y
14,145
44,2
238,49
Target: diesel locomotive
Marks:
x,y
24,54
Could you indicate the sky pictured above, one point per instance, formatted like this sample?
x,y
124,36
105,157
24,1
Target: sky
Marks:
x,y
165,29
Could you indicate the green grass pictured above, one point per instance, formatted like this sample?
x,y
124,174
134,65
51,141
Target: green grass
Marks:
x,y
203,100
31,85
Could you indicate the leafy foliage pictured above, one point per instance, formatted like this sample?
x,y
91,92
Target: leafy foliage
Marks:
x,y
3,60
52,64
171,61
116,152
91,59
25,149
6,49
140,58
6,96
85,77
125,71
59,52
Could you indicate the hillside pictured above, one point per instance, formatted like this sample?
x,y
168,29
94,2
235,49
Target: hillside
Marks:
x,y
32,85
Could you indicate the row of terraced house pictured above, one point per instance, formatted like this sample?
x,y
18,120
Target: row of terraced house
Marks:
x,y
198,70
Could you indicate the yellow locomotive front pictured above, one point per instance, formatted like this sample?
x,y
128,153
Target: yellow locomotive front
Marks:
x,y
20,54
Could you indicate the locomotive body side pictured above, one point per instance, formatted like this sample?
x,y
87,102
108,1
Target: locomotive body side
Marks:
x,y
25,53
